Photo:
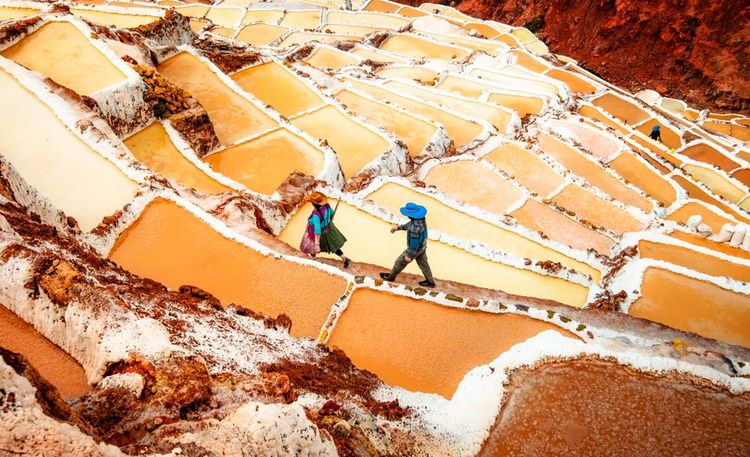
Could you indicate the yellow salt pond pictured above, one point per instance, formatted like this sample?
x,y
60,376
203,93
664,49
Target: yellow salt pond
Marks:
x,y
52,159
260,34
595,113
475,44
716,182
233,116
483,28
302,20
709,216
524,104
347,29
475,184
116,19
694,260
708,154
526,167
392,196
514,81
421,74
491,113
171,245
266,16
527,61
380,21
699,194
414,132
300,38
355,144
693,305
16,13
378,55
443,343
409,11
263,163
595,210
59,50
621,108
330,58
225,17
153,148
669,137
276,85
575,161
382,6
460,130
448,263
576,83
637,173
698,240
558,227
415,46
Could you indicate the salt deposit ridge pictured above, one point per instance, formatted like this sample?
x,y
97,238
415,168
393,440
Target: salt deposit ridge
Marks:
x,y
155,163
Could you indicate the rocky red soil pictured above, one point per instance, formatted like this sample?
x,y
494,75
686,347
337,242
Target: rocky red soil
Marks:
x,y
687,49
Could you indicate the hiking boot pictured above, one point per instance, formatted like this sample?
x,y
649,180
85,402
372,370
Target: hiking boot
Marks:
x,y
386,276
347,262
427,283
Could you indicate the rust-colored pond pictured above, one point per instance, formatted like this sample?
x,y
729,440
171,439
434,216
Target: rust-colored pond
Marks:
x,y
171,245
640,175
597,408
693,305
54,364
443,343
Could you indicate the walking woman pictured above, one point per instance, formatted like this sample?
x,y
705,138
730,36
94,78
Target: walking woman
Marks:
x,y
321,234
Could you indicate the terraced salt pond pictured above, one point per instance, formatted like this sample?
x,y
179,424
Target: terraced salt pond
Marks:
x,y
276,85
234,117
460,130
78,65
526,167
449,263
72,175
447,343
264,162
52,363
355,144
392,196
415,132
693,305
171,245
414,46
694,260
557,409
153,148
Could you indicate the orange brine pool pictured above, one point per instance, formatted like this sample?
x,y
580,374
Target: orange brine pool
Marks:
x,y
170,245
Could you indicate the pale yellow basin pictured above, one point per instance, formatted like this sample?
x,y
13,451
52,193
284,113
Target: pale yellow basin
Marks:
x,y
233,116
276,85
117,19
392,196
526,167
449,263
414,46
153,148
355,144
475,184
263,163
329,58
260,34
460,130
414,132
49,157
60,51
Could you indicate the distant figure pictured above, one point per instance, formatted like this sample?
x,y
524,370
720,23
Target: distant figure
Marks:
x,y
656,133
416,244
320,234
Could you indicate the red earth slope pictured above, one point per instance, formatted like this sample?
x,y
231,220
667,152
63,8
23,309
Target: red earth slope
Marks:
x,y
694,50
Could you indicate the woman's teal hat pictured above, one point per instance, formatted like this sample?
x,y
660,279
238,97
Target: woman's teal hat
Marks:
x,y
414,211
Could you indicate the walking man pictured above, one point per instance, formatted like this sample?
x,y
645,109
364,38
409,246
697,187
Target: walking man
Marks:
x,y
656,133
416,244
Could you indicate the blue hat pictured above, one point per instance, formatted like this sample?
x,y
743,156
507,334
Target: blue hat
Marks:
x,y
414,211
657,127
